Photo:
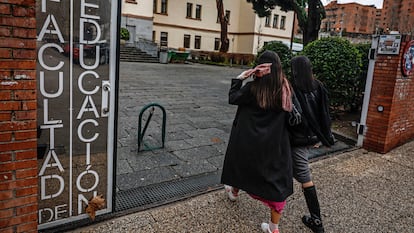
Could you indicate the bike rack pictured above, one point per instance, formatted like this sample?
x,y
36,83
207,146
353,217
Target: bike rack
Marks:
x,y
141,133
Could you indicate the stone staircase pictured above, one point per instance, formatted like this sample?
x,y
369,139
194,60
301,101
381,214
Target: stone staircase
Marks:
x,y
132,54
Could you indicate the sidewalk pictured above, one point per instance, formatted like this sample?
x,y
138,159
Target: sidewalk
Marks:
x,y
359,191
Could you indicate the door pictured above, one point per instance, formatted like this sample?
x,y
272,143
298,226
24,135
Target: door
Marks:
x,y
132,34
76,107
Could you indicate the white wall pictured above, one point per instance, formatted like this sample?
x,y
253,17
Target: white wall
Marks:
x,y
143,8
246,31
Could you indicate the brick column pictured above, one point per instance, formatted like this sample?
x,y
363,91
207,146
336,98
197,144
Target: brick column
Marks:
x,y
18,106
390,89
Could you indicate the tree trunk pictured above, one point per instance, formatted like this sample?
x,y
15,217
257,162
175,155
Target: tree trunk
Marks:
x,y
224,47
313,24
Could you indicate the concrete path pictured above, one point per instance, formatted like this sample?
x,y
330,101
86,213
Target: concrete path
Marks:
x,y
359,192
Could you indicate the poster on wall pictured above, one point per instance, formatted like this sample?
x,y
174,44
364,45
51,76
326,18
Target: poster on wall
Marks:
x,y
76,51
407,59
389,44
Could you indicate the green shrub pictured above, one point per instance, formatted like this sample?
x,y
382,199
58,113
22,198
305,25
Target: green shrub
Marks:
x,y
363,50
217,57
282,50
124,34
337,63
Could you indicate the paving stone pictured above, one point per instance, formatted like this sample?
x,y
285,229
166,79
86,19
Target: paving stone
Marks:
x,y
177,145
193,168
177,135
145,177
152,161
197,153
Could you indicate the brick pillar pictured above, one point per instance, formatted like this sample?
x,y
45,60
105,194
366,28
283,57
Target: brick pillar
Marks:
x,y
390,89
18,106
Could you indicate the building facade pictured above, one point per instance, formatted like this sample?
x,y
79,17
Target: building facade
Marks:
x,y
352,19
192,25
398,15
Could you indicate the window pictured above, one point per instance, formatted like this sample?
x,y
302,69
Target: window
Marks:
x,y
227,16
189,10
275,20
187,41
198,11
163,6
197,42
164,39
154,6
216,43
282,22
153,36
267,21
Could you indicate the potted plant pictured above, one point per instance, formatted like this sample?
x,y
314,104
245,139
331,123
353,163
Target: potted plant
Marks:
x,y
124,35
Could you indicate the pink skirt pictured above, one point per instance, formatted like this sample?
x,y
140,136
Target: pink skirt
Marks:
x,y
277,206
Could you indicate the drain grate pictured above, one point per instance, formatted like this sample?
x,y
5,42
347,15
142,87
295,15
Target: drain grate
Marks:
x,y
159,194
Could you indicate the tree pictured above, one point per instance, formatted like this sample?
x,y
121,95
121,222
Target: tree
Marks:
x,y
309,20
224,21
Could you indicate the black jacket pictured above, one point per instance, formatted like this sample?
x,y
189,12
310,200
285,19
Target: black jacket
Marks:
x,y
316,120
258,157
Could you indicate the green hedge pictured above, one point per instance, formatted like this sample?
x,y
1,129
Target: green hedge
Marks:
x,y
282,50
124,34
339,65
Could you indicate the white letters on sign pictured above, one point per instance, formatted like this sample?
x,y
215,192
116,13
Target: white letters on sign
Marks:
x,y
70,36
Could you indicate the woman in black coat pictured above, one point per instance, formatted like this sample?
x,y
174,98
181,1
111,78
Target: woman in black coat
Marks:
x,y
258,157
314,130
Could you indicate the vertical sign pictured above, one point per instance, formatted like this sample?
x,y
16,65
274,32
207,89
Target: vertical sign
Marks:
x,y
76,41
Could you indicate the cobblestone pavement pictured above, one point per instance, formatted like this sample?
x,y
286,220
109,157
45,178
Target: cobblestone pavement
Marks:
x,y
198,122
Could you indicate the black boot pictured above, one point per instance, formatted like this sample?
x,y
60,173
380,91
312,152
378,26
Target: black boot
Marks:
x,y
314,221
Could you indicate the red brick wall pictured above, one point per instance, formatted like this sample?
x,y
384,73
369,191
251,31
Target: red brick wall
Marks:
x,y
395,126
18,106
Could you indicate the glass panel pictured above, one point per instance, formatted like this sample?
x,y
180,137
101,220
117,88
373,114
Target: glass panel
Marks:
x,y
216,43
187,41
198,12
73,71
282,22
197,42
228,16
164,39
163,6
275,19
189,10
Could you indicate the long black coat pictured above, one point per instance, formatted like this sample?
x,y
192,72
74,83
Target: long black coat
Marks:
x,y
316,120
258,157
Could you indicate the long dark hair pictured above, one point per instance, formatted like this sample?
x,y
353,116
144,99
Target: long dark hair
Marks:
x,y
302,74
268,89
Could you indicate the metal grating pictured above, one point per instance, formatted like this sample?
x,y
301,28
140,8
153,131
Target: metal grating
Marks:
x,y
159,194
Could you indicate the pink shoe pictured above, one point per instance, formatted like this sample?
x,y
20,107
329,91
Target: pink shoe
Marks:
x,y
229,190
266,229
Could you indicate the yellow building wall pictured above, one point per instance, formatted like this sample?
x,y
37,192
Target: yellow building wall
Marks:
x,y
141,8
246,31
